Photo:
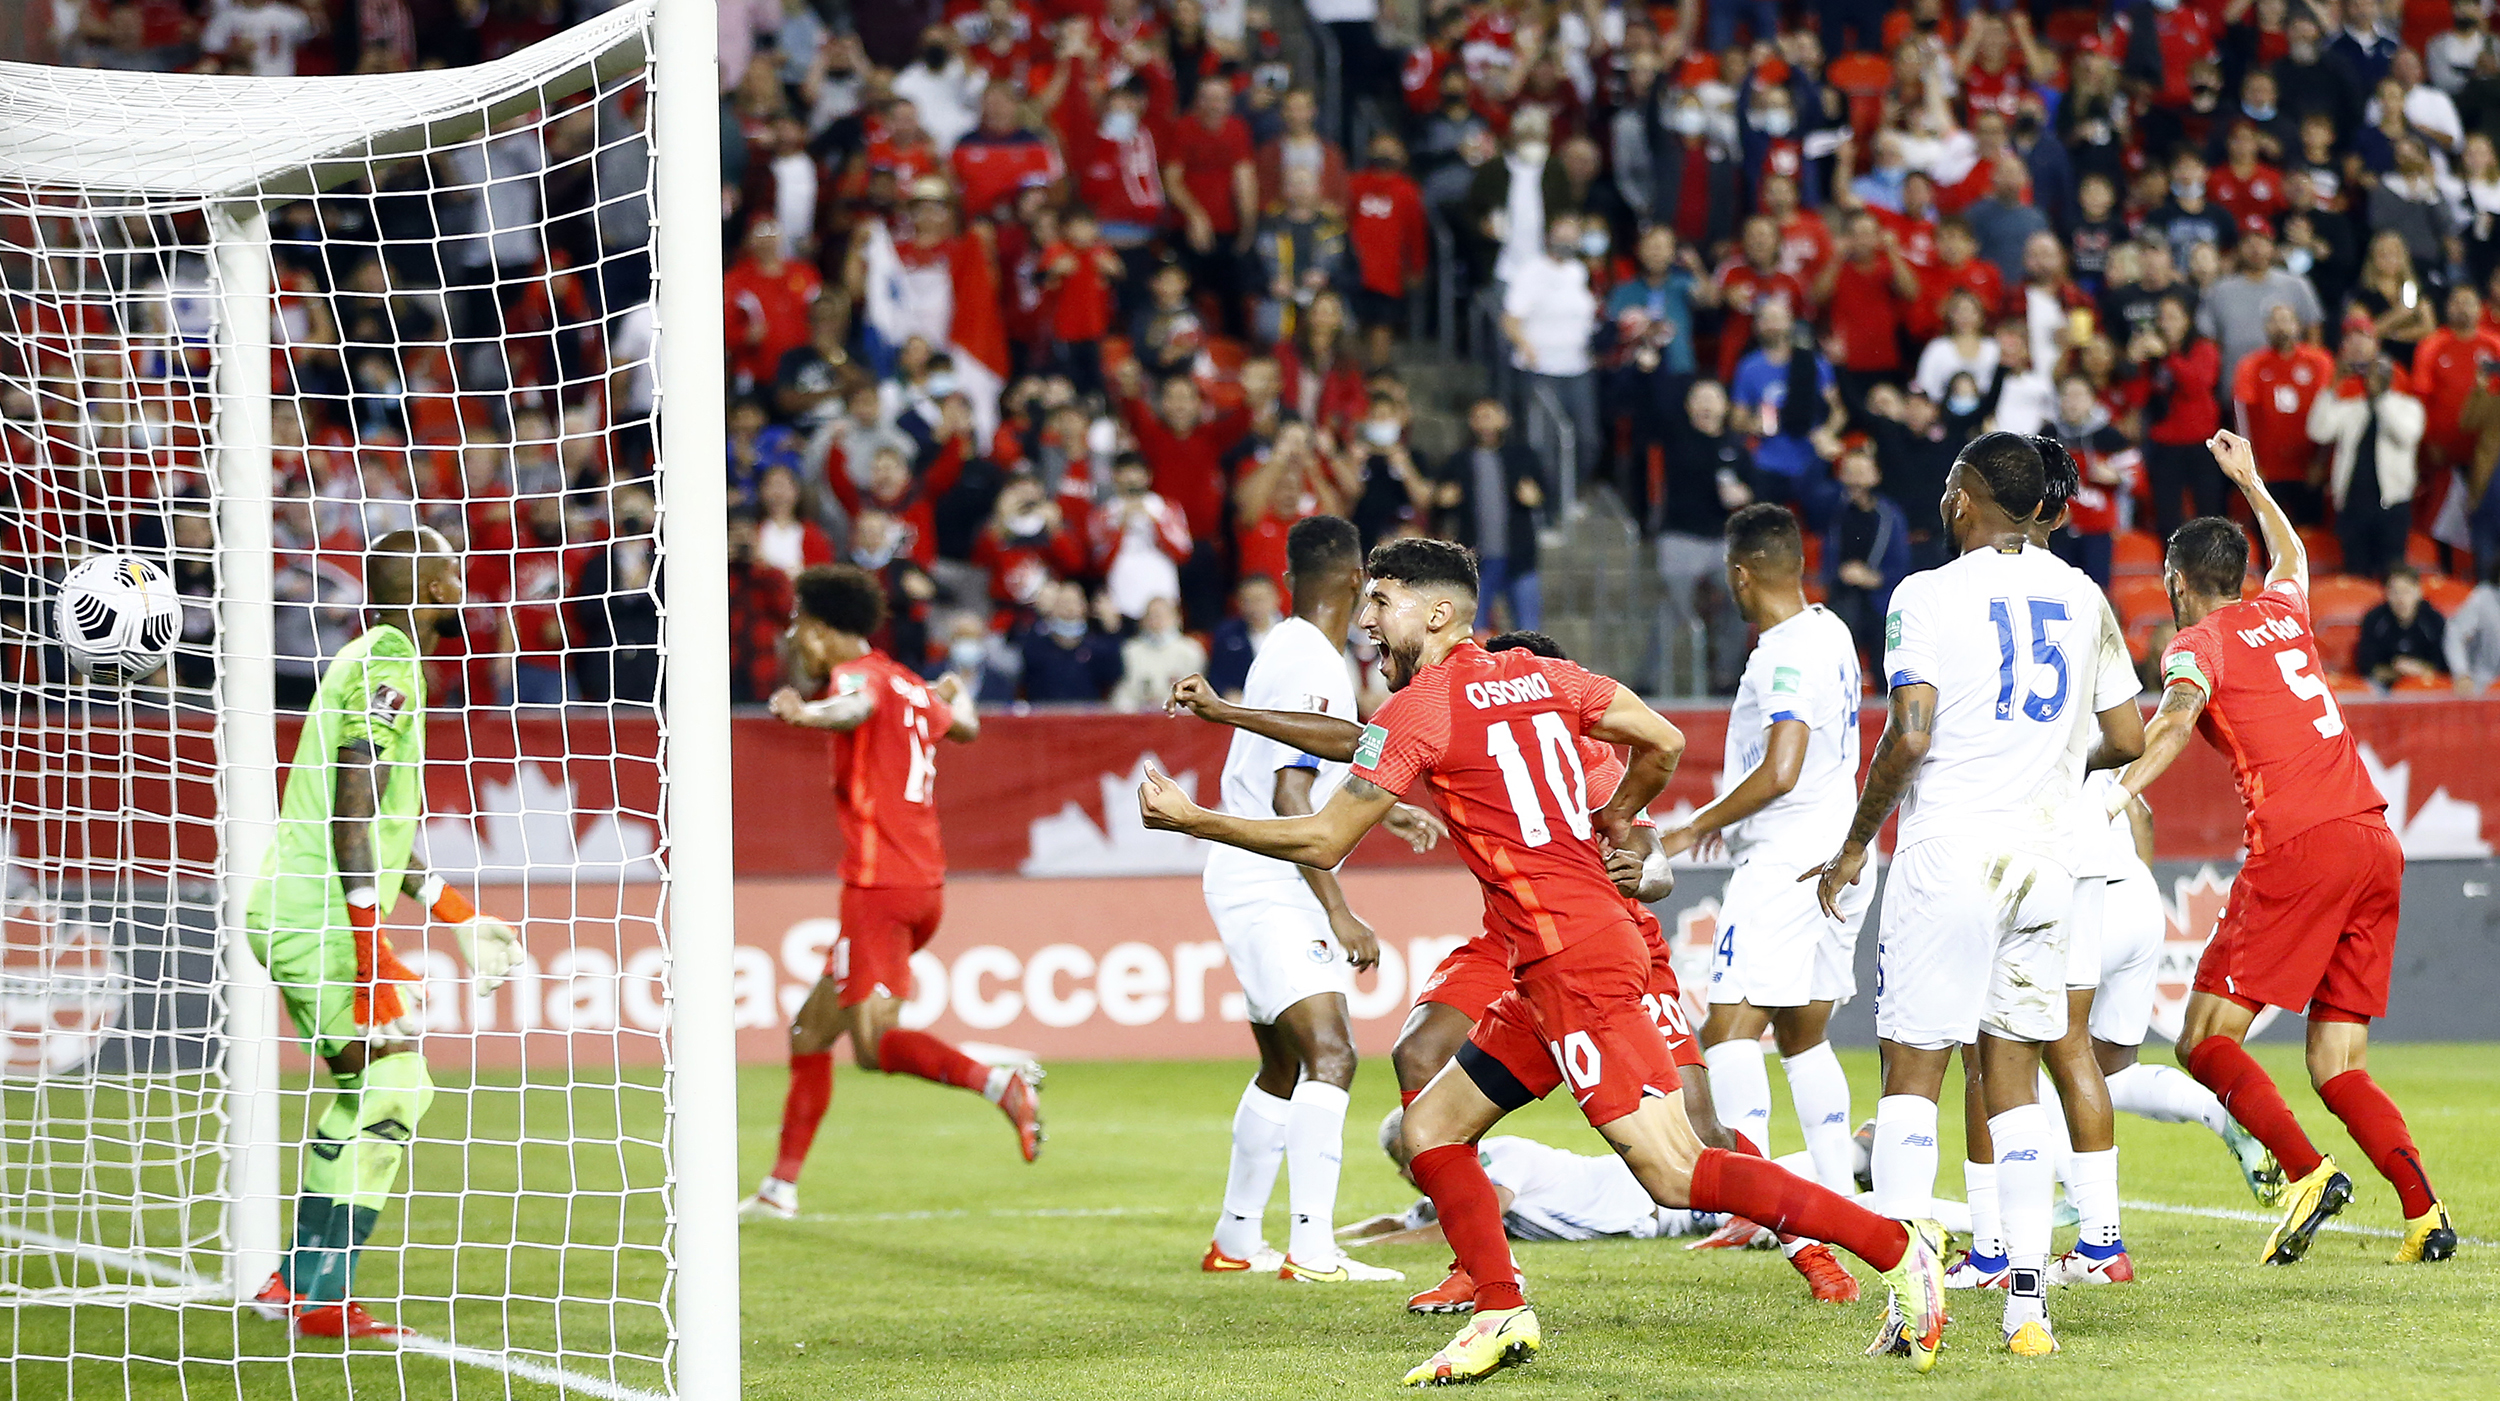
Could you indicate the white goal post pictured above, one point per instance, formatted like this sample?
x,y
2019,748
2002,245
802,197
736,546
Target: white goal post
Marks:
x,y
245,331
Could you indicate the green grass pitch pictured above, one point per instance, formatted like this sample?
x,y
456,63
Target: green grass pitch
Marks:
x,y
931,1262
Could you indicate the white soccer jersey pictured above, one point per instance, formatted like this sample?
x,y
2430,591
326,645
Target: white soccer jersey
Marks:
x,y
1297,669
1560,1195
2086,816
1803,669
2011,642
2107,843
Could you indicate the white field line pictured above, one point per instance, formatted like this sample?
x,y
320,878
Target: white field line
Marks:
x,y
1000,1213
2263,1218
505,1363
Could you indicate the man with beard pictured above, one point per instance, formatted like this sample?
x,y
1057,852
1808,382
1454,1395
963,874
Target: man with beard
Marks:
x,y
2271,392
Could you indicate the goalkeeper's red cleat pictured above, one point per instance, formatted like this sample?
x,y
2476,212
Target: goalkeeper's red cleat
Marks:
x,y
347,1320
1457,1294
1831,1282
275,1301
1023,1107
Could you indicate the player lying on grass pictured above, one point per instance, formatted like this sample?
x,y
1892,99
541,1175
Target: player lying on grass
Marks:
x,y
2311,925
884,724
1293,941
1471,976
339,862
1546,1193
1497,738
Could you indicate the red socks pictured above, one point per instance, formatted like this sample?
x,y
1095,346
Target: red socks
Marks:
x,y
1406,1098
1471,1217
811,1090
2379,1127
2223,1066
918,1053
1770,1195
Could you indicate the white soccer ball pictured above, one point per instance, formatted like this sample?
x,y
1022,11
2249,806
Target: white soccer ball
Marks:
x,y
117,616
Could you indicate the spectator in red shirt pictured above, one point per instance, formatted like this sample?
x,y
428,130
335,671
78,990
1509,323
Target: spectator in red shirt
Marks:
x,y
1805,244
2243,186
2271,393
1119,176
1026,544
2182,369
1001,156
760,602
1869,289
1747,281
1213,184
766,299
1958,267
1185,446
1078,274
1392,245
2445,367
1300,476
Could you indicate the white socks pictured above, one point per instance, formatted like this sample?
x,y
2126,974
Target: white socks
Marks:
x,y
2166,1096
1987,1232
1905,1156
1821,1091
1258,1150
1314,1154
1740,1086
2092,1185
2026,1182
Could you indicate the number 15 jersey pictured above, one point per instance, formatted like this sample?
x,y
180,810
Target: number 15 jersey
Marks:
x,y
885,778
1498,735
2013,642
2270,711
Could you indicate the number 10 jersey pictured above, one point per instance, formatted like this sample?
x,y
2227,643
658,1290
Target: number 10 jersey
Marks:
x,y
2270,711
2013,641
1497,735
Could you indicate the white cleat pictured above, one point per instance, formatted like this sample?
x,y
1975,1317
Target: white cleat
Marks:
x,y
2074,1267
1969,1274
1345,1269
776,1200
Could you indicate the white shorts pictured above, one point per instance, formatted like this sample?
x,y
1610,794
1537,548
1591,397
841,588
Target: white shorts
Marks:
x,y
1281,949
1971,940
1776,947
2133,927
2083,932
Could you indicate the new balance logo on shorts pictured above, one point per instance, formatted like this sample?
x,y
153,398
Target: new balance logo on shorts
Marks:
x,y
2021,1155
1837,1116
1918,1140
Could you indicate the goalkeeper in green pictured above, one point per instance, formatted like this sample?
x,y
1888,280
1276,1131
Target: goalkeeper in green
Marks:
x,y
340,860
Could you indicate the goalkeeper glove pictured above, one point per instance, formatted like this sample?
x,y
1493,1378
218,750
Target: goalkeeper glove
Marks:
x,y
488,945
384,985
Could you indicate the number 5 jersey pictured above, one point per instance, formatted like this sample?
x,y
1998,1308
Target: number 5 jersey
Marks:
x,y
2268,708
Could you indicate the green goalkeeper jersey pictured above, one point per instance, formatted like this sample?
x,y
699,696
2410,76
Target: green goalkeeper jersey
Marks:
x,y
374,690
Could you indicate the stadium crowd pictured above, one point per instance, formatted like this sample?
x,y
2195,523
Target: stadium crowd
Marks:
x,y
1059,313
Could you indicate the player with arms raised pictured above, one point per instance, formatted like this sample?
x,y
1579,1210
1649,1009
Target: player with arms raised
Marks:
x,y
2311,922
1985,654
1497,738
341,858
885,723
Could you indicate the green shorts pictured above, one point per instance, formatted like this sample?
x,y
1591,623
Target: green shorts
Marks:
x,y
315,971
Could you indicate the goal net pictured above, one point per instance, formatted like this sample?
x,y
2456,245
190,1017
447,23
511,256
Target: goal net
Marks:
x,y
249,330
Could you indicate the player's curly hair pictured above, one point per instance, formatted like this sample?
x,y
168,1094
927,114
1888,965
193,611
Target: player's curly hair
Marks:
x,y
843,597
2010,465
2061,478
1318,544
2210,554
1768,532
1528,640
1422,563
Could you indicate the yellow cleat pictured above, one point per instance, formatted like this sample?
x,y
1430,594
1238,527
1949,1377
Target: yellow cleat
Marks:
x,y
1914,1320
1489,1342
2308,1204
2033,1339
2429,1236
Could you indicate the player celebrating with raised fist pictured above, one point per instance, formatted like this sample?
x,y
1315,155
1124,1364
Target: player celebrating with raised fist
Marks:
x,y
1497,737
885,723
2311,922
340,860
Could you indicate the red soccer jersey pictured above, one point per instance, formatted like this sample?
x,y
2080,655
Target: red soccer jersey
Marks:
x,y
2256,196
1207,160
2273,394
1497,735
2272,714
1866,316
2445,366
1741,287
885,778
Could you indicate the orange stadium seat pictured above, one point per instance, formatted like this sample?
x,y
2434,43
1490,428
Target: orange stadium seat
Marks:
x,y
2347,684
2336,642
2423,684
2142,605
2342,598
2326,553
2422,552
2136,552
2445,594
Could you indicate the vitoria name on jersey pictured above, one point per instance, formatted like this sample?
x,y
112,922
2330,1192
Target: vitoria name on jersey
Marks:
x,y
1484,695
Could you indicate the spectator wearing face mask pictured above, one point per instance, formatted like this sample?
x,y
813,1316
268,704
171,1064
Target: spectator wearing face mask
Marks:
x,y
1155,659
1395,495
1026,545
1140,540
988,664
1549,315
1391,242
1065,658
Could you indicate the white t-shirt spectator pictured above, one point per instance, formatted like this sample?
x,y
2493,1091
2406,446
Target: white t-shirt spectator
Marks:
x,y
948,99
1942,360
266,32
1557,314
1151,665
2026,403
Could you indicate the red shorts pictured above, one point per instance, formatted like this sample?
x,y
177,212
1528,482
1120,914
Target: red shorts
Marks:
x,y
1474,975
1578,1016
2312,923
882,927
